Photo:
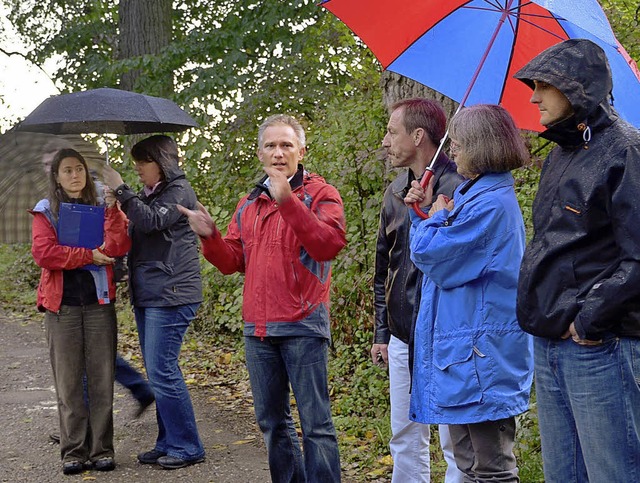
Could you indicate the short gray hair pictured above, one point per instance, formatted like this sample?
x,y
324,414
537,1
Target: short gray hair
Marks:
x,y
286,120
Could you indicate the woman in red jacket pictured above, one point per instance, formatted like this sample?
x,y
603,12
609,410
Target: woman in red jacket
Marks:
x,y
80,317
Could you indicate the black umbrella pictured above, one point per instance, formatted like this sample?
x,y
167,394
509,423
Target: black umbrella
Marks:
x,y
106,110
23,163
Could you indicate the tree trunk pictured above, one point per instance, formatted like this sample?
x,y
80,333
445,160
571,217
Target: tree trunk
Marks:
x,y
397,87
145,29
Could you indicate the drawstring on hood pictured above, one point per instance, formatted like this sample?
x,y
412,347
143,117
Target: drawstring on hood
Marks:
x,y
579,69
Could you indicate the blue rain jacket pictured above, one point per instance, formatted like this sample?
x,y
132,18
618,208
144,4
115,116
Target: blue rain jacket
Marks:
x,y
472,361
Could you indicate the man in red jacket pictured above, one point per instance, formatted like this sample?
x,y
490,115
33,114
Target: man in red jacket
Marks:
x,y
283,236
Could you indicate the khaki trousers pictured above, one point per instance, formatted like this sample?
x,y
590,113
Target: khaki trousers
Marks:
x,y
82,342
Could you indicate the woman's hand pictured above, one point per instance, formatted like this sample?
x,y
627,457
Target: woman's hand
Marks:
x,y
111,177
99,258
109,197
442,203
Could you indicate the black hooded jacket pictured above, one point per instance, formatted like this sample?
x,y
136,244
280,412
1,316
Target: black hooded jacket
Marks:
x,y
583,263
397,280
164,265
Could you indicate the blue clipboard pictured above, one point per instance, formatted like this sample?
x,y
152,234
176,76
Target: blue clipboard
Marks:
x,y
81,226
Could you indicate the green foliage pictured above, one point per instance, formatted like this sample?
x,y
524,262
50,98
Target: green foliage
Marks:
x,y
624,17
220,315
19,280
234,62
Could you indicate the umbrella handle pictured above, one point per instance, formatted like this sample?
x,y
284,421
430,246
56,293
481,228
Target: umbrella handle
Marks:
x,y
426,177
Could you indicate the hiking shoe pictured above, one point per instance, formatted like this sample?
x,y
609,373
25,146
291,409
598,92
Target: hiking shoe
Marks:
x,y
72,467
173,463
150,457
104,464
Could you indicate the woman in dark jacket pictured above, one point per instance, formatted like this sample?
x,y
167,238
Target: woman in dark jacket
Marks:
x,y
165,289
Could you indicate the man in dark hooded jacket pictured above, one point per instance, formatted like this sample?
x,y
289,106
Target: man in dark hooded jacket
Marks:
x,y
579,286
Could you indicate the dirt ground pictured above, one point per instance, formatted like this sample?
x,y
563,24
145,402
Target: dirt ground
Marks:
x,y
235,451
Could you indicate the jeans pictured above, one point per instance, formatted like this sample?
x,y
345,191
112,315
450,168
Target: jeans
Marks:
x,y
161,331
273,363
409,444
82,340
484,451
133,381
589,410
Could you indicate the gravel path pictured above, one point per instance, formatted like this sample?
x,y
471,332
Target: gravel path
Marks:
x,y
235,451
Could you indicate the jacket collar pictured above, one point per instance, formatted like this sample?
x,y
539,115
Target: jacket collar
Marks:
x,y
572,133
295,183
473,188
402,188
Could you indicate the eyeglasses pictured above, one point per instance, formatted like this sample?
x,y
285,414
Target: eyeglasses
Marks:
x,y
454,147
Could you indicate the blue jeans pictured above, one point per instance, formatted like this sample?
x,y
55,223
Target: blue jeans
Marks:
x,y
274,363
589,410
161,331
133,381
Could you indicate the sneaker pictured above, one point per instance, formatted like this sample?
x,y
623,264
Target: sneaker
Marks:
x,y
173,463
150,457
104,464
72,467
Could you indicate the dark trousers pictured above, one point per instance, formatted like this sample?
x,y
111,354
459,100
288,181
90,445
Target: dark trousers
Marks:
x,y
82,340
484,451
130,378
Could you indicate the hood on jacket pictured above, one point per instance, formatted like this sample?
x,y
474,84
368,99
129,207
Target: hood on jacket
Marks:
x,y
170,169
578,68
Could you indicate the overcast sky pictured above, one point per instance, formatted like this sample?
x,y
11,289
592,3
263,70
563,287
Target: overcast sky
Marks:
x,y
22,86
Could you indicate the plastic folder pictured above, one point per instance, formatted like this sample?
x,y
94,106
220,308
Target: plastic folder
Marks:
x,y
81,226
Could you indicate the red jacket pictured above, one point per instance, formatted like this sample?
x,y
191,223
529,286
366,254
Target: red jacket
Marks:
x,y
285,252
54,258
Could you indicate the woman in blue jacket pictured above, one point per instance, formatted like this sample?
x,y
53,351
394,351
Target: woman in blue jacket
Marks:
x,y
473,364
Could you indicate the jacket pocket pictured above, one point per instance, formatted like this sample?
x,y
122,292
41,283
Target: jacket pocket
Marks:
x,y
455,378
151,280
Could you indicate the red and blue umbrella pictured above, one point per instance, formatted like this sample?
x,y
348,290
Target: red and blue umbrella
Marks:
x,y
469,49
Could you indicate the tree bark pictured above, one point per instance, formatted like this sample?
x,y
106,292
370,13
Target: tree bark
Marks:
x,y
397,87
144,29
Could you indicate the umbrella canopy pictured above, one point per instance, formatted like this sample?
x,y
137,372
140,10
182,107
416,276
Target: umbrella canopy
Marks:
x,y
469,50
23,159
106,110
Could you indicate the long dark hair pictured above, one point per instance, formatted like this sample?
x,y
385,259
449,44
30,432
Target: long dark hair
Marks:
x,y
89,194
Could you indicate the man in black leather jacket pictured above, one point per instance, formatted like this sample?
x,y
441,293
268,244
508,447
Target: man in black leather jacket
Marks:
x,y
413,133
579,285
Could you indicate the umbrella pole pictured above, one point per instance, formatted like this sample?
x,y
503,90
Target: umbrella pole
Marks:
x,y
428,172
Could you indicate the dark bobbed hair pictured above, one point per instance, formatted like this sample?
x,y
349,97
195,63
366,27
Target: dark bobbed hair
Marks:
x,y
489,139
57,195
159,149
426,114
